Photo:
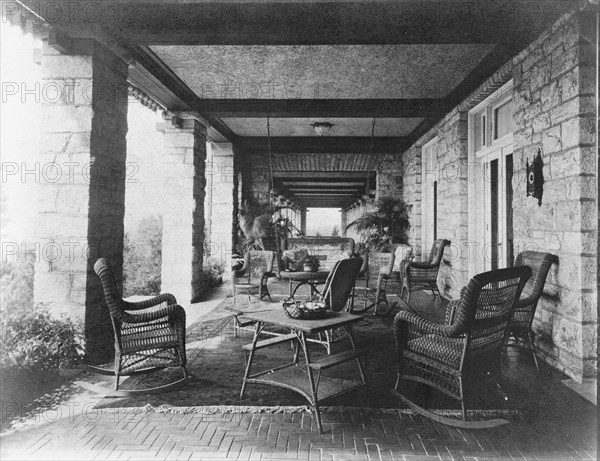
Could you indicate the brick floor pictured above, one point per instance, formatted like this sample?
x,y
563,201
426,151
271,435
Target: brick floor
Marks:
x,y
560,426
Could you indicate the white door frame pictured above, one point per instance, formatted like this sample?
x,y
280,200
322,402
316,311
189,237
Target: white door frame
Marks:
x,y
479,190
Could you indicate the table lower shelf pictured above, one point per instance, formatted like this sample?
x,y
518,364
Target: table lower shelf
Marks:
x,y
296,379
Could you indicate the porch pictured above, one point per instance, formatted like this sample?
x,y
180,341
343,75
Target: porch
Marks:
x,y
443,105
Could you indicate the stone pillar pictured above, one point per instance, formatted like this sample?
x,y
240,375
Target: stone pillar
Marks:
x,y
81,201
344,214
220,175
183,212
303,220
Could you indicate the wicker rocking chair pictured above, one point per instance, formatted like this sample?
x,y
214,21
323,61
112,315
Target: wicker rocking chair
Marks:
x,y
466,348
423,275
381,265
252,278
149,335
520,330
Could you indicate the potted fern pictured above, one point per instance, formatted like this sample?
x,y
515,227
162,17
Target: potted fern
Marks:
x,y
385,225
311,264
263,226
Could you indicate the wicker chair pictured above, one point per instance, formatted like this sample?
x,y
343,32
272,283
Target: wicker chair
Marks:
x,y
252,278
337,292
467,347
149,334
381,265
520,328
423,275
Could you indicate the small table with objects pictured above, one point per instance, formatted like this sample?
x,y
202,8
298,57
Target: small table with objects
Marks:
x,y
305,377
299,278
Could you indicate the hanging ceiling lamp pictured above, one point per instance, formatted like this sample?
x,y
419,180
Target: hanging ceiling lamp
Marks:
x,y
322,127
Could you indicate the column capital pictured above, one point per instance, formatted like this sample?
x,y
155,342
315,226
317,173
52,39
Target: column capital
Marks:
x,y
187,121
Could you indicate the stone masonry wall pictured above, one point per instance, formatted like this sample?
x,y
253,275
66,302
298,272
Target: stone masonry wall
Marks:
x,y
554,112
411,192
81,210
553,95
452,221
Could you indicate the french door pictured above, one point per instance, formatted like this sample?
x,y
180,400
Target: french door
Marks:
x,y
497,198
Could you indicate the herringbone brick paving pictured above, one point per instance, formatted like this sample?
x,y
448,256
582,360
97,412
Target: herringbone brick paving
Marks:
x,y
349,435
556,429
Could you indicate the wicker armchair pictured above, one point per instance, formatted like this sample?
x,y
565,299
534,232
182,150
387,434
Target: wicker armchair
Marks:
x,y
149,334
252,278
469,345
381,265
520,328
423,275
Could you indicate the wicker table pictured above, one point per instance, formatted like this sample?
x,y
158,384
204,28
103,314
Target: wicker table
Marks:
x,y
312,278
306,378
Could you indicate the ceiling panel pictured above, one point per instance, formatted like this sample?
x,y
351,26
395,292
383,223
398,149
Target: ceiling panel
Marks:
x,y
342,126
322,71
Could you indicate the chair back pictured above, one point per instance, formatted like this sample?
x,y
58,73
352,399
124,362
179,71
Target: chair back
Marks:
x,y
381,263
540,266
112,295
340,282
484,313
402,253
259,262
437,251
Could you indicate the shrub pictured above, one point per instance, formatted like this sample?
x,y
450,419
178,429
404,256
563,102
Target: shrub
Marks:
x,y
37,341
17,286
142,259
213,269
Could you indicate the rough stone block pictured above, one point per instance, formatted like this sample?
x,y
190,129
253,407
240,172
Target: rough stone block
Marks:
x,y
565,111
589,215
565,164
67,67
563,60
567,335
67,118
552,141
568,216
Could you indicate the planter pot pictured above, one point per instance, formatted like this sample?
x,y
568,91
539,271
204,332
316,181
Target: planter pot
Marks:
x,y
310,268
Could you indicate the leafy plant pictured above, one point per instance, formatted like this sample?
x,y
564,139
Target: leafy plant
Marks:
x,y
35,341
312,261
387,224
17,285
259,222
213,270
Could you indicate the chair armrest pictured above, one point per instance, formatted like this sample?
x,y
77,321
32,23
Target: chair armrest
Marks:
x,y
419,265
145,304
174,312
421,324
527,303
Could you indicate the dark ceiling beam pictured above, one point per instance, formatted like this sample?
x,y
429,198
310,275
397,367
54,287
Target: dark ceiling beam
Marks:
x,y
332,22
315,108
322,144
333,175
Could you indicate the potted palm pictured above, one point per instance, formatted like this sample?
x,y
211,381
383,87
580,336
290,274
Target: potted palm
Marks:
x,y
263,226
385,225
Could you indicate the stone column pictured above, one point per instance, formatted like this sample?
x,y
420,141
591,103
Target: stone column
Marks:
x,y
81,201
344,214
303,220
183,207
222,204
